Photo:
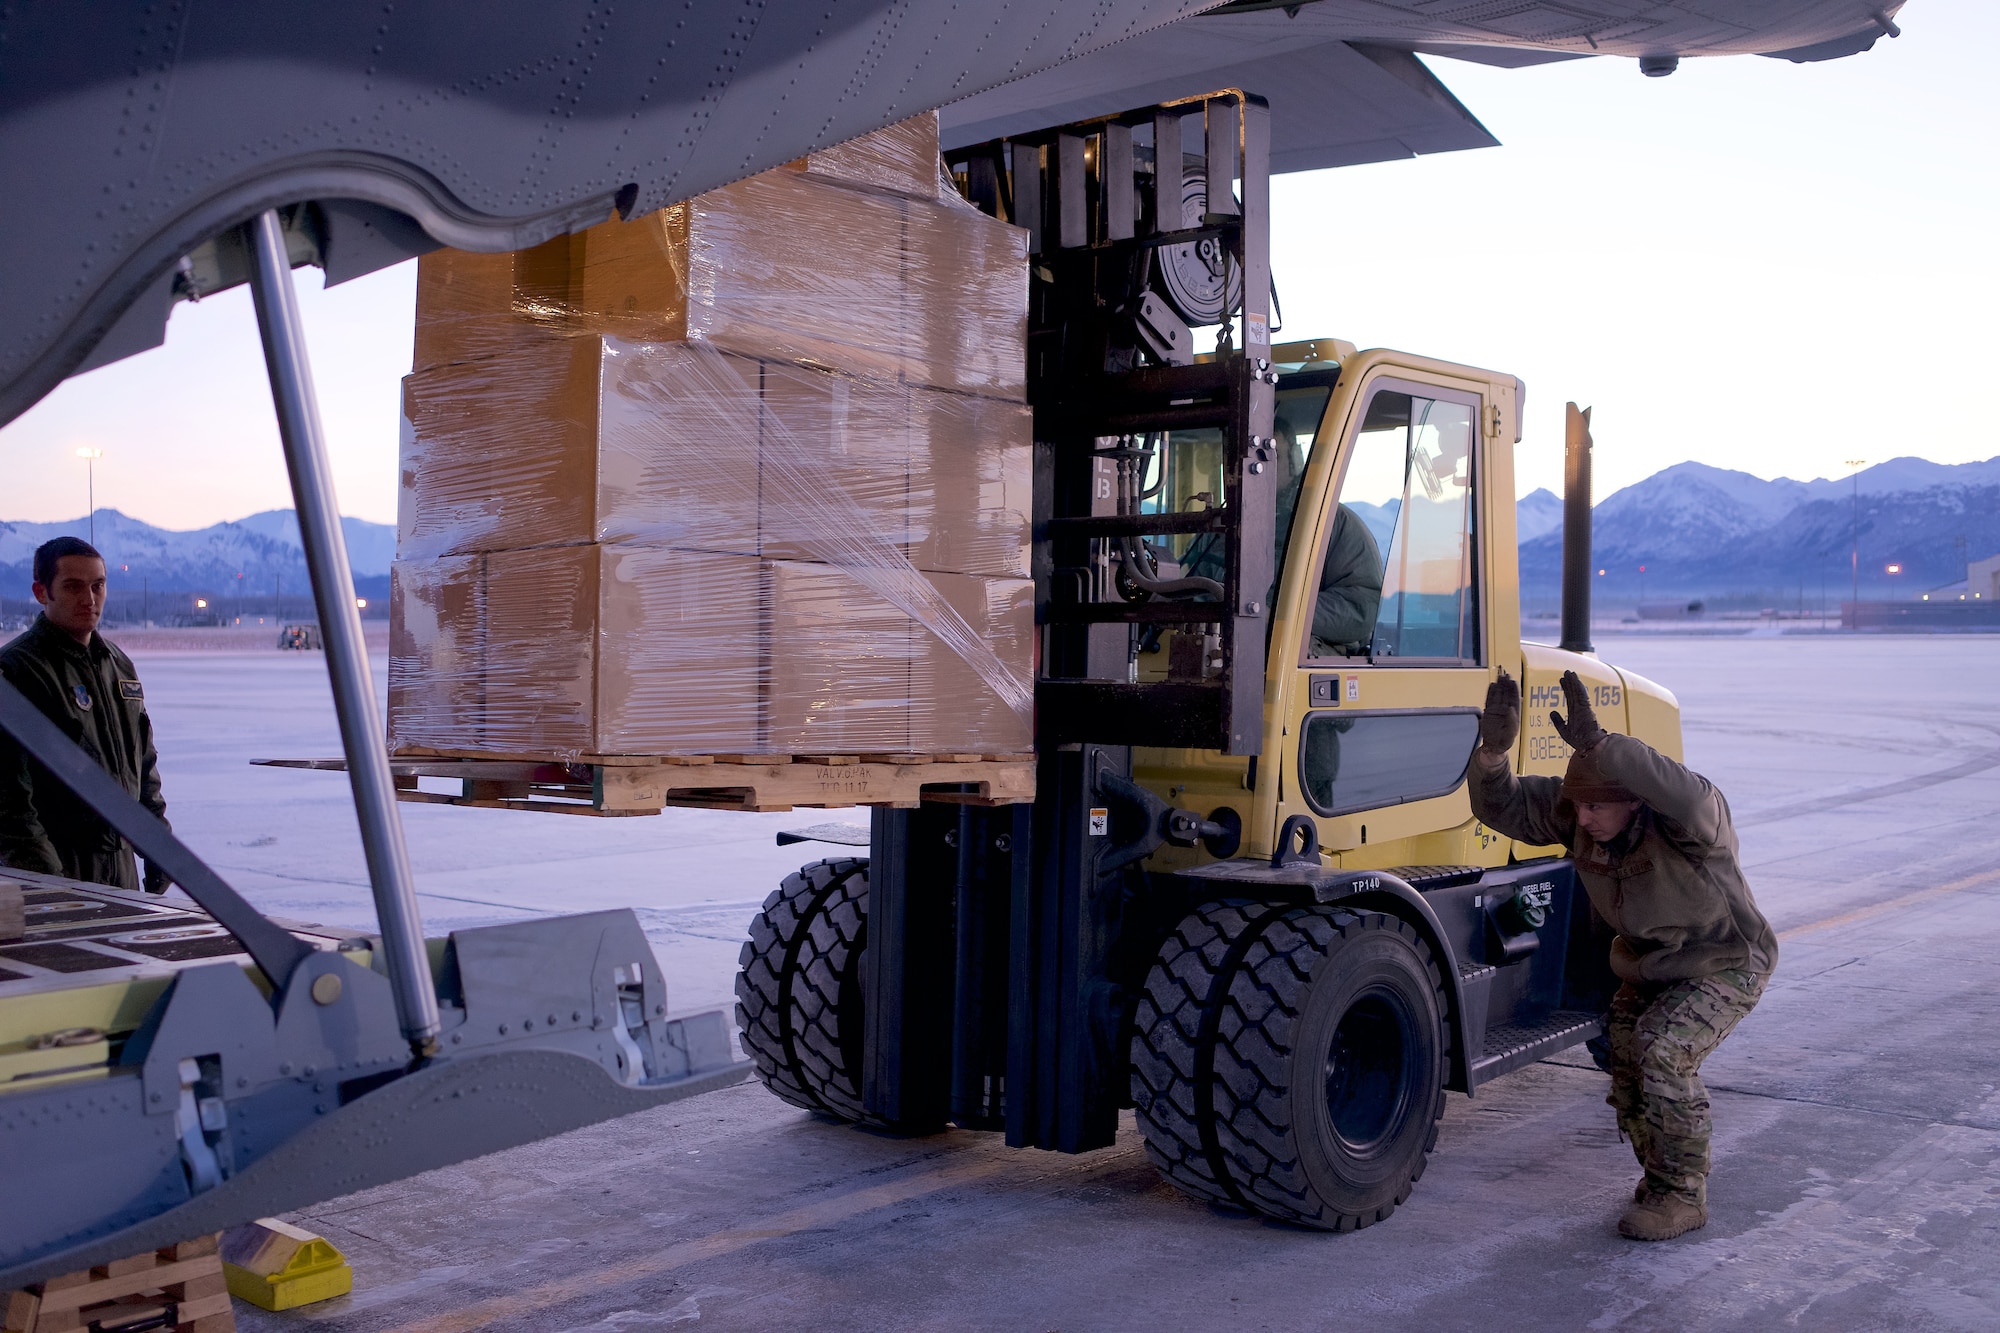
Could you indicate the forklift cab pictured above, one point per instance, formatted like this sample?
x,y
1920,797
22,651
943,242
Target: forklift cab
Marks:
x,y
1393,598
1368,733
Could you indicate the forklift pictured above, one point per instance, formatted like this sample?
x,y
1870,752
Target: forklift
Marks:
x,y
1248,901
1272,582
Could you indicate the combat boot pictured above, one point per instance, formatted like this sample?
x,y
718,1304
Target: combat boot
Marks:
x,y
1662,1216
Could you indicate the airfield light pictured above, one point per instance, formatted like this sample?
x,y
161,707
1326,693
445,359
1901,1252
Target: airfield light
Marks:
x,y
1895,569
361,603
1600,573
201,603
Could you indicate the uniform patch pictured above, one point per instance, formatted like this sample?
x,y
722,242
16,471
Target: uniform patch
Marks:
x,y
82,697
131,690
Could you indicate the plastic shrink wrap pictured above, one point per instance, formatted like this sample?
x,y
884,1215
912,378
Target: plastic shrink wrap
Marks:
x,y
750,476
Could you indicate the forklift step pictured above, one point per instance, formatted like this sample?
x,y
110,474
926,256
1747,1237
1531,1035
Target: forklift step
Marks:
x,y
1510,1047
1424,878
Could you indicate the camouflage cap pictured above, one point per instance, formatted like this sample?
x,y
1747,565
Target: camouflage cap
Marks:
x,y
1585,781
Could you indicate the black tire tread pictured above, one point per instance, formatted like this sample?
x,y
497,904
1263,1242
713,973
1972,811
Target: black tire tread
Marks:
x,y
1259,1016
1173,1033
768,968
825,993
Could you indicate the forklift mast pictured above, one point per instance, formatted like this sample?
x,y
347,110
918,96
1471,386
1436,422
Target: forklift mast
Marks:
x,y
1140,226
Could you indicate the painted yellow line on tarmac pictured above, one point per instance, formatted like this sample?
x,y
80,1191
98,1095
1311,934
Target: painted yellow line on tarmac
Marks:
x,y
521,1304
1893,904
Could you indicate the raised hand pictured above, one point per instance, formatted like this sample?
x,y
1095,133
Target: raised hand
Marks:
x,y
1500,723
1580,730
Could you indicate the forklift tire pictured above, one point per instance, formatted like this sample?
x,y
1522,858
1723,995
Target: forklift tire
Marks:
x,y
1315,1081
1173,1039
798,993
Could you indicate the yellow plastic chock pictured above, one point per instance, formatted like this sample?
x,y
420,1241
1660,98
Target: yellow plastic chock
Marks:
x,y
277,1266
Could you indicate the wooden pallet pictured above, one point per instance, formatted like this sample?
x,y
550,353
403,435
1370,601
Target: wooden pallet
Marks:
x,y
180,1287
625,785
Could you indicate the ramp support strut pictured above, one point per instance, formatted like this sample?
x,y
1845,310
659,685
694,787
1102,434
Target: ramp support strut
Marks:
x,y
325,545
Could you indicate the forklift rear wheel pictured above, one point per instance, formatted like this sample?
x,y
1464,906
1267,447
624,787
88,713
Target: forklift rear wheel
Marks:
x,y
798,993
1317,1073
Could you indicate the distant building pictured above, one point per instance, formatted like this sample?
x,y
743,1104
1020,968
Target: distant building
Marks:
x,y
1981,584
1982,580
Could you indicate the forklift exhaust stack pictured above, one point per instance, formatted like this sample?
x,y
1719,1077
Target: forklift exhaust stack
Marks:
x,y
1576,531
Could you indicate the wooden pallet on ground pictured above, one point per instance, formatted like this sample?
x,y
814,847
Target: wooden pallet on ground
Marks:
x,y
625,785
179,1287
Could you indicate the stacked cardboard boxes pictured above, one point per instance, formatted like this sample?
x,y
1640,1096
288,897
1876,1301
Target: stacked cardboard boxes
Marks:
x,y
748,476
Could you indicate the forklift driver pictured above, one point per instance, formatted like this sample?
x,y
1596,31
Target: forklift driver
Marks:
x,y
1350,589
1656,851
91,691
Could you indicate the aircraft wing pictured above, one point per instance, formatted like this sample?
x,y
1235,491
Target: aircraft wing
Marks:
x,y
131,132
1344,85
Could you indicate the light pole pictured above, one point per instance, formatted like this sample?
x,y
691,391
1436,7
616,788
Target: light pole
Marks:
x,y
1856,464
90,457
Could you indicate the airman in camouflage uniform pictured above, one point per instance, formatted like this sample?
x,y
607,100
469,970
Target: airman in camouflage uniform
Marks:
x,y
1656,852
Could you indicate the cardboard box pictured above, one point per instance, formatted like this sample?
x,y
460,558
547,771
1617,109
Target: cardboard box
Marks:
x,y
644,650
471,306
851,467
971,500
595,440
780,265
974,695
581,440
579,650
901,159
784,266
838,663
437,665
834,468
966,281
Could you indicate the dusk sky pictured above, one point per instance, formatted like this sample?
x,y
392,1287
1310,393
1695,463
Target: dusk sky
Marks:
x,y
1759,265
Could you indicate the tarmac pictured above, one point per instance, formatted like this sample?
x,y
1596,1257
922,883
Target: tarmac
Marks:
x,y
1857,1176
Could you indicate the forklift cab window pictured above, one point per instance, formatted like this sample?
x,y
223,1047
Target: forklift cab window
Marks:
x,y
1297,421
1189,476
1396,578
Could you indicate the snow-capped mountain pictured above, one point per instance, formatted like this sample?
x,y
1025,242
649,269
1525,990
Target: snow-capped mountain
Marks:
x,y
1705,531
262,549
1536,513
1699,531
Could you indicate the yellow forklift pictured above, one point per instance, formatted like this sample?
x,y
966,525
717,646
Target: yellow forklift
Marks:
x,y
1250,900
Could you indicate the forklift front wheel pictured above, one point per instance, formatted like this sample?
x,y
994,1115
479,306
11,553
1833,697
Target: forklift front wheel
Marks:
x,y
1339,1049
798,991
1309,1088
